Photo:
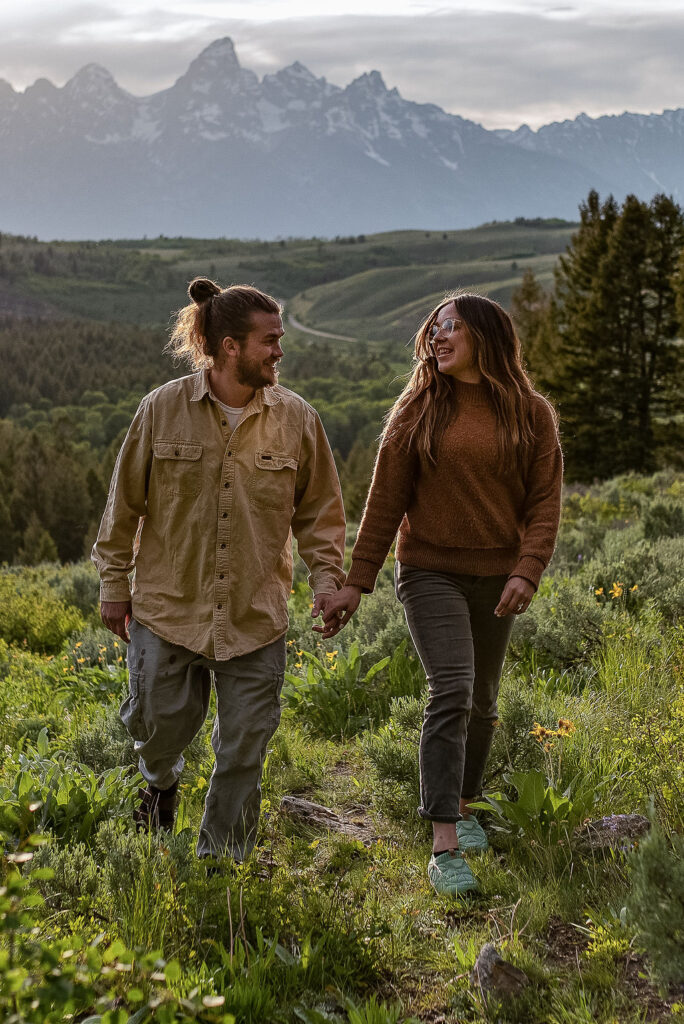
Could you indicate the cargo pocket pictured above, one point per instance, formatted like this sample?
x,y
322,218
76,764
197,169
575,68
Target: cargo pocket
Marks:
x,y
178,466
273,480
131,712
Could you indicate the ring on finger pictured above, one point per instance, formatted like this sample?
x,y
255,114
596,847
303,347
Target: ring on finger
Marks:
x,y
520,606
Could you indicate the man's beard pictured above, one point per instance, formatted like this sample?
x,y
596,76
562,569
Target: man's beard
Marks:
x,y
252,373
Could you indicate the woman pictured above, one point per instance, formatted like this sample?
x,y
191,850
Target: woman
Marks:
x,y
469,471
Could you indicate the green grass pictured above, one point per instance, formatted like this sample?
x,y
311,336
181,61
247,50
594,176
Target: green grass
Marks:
x,y
321,927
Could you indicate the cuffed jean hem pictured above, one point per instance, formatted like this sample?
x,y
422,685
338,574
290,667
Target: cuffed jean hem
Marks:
x,y
441,819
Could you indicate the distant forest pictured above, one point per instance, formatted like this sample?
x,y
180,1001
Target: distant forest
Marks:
x,y
599,306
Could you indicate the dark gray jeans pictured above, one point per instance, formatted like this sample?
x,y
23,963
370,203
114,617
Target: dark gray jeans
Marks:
x,y
169,689
462,646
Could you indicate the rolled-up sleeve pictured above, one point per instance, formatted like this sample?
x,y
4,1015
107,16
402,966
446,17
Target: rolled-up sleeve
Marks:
x,y
318,522
114,550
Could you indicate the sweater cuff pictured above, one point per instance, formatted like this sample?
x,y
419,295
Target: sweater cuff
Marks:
x,y
115,590
362,574
530,568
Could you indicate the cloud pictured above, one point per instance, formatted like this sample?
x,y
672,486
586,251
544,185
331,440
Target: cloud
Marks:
x,y
495,67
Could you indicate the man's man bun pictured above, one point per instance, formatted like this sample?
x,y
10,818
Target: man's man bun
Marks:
x,y
201,289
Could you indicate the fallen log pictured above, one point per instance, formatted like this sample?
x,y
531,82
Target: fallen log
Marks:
x,y
320,817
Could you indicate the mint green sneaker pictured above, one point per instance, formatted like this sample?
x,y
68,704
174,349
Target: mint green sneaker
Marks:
x,y
471,835
449,873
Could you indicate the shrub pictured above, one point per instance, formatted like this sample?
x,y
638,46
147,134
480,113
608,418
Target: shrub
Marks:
x,y
656,902
663,519
539,807
563,626
32,615
335,700
51,792
393,754
103,742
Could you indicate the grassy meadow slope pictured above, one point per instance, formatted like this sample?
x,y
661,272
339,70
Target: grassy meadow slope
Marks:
x,y
99,922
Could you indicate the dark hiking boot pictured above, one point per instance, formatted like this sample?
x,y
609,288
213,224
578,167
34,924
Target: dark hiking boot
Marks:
x,y
157,807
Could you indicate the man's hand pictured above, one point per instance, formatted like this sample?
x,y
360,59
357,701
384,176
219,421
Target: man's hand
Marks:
x,y
515,598
337,610
116,615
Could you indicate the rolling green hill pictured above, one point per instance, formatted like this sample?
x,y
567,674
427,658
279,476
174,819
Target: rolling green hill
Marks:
x,y
365,284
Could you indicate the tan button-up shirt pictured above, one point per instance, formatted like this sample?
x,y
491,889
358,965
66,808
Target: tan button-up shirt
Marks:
x,y
205,516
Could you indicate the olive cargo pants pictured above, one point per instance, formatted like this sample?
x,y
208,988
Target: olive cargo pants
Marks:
x,y
168,701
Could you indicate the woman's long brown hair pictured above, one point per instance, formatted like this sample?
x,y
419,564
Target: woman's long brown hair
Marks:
x,y
425,406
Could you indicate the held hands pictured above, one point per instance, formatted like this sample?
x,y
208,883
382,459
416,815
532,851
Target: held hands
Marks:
x,y
515,598
116,615
337,610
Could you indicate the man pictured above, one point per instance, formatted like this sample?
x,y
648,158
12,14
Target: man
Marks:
x,y
216,473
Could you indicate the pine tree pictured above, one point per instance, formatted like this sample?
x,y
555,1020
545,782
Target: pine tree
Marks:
x,y
614,313
37,544
531,312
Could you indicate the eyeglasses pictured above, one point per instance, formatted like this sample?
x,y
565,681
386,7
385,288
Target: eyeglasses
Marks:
x,y
446,328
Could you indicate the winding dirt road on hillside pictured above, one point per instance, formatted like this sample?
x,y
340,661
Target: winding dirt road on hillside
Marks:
x,y
319,334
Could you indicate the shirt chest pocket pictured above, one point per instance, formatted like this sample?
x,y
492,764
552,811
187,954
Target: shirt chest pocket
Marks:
x,y
178,466
273,480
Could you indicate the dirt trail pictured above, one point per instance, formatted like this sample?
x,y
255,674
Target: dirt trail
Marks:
x,y
319,334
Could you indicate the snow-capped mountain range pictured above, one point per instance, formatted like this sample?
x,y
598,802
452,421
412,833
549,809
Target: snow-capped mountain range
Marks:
x,y
222,153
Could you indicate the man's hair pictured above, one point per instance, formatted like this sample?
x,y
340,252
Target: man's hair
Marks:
x,y
214,314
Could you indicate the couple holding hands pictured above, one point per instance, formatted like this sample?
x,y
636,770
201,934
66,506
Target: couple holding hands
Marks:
x,y
219,469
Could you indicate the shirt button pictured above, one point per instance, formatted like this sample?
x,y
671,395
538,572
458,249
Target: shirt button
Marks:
x,y
219,606
223,545
177,451
221,575
224,515
229,453
223,423
226,485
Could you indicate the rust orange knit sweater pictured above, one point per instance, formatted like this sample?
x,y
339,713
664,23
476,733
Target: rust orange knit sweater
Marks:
x,y
464,515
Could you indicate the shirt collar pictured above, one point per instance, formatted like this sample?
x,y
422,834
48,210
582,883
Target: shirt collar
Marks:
x,y
264,396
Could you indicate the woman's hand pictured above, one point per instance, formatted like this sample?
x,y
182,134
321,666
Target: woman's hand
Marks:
x,y
337,610
515,598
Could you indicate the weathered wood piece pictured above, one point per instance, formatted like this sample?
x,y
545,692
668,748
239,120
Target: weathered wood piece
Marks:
x,y
616,831
318,816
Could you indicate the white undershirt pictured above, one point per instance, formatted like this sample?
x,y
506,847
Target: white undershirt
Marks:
x,y
233,413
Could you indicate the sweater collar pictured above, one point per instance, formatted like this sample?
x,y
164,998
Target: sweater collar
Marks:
x,y
472,394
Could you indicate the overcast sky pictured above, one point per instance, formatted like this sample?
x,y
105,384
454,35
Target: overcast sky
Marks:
x,y
498,62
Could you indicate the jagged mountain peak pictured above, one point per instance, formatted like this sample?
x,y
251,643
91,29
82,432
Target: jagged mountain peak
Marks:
x,y
93,85
41,89
219,58
294,154
91,75
370,82
217,70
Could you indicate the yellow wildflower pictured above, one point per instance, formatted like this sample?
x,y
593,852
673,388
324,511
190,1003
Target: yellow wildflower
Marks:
x,y
565,727
599,591
635,587
616,590
79,644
